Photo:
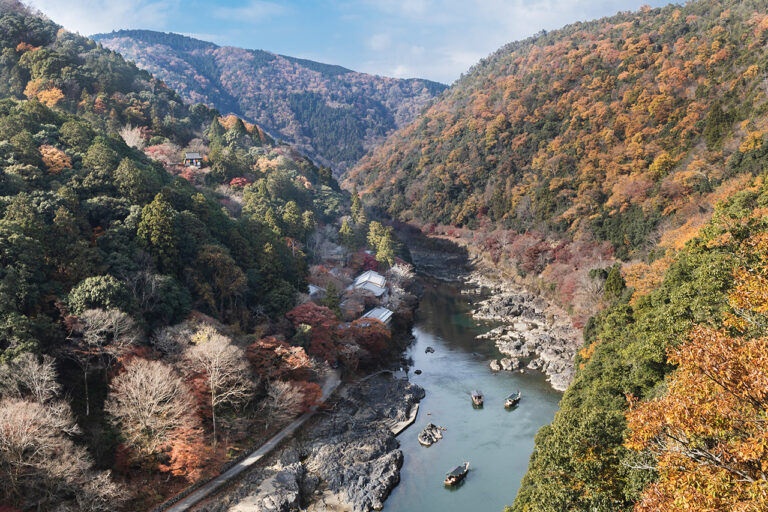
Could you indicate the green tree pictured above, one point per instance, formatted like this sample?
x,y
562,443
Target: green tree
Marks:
x,y
134,182
357,207
347,235
99,292
101,157
156,233
292,225
614,284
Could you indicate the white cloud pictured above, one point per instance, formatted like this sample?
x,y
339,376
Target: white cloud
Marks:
x,y
92,16
255,11
400,71
379,42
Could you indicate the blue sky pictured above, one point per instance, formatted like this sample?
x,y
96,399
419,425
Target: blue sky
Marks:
x,y
435,39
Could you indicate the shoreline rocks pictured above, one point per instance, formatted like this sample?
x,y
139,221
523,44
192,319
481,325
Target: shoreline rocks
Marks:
x,y
533,331
345,459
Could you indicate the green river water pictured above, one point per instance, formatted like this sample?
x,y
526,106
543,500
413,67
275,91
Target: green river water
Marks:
x,y
496,442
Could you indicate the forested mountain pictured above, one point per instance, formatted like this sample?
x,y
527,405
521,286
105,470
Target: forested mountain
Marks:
x,y
591,160
331,113
131,285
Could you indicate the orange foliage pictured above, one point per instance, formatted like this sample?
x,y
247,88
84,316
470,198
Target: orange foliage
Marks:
x,y
36,89
189,455
55,159
676,239
708,433
275,359
312,393
25,47
229,121
645,278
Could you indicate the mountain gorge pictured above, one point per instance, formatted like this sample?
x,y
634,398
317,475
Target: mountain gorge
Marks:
x,y
618,167
331,113
155,259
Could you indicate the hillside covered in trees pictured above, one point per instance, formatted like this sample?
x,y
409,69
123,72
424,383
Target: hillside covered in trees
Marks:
x,y
618,166
622,132
154,316
331,113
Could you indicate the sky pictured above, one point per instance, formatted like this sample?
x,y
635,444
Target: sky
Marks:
x,y
434,39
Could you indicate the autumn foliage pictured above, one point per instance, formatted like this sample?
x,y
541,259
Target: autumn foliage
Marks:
x,y
708,433
321,322
275,359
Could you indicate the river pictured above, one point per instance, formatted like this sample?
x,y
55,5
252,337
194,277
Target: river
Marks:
x,y
496,442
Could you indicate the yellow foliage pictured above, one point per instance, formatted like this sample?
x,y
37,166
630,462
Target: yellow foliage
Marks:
x,y
753,141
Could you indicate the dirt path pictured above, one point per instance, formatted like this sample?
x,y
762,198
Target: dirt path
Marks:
x,y
217,483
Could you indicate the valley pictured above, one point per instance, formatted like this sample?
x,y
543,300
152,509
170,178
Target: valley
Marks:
x,y
234,280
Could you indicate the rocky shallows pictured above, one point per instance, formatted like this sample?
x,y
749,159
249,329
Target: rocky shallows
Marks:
x,y
534,333
347,459
431,434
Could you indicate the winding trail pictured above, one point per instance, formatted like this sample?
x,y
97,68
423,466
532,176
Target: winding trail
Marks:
x,y
186,503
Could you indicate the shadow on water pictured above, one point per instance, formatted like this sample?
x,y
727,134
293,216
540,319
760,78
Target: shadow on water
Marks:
x,y
497,441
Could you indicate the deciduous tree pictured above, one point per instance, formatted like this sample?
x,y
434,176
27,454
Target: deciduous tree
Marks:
x,y
223,366
148,402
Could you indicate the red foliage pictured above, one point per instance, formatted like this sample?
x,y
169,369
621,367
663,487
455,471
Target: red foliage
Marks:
x,y
370,263
239,182
189,455
123,459
369,334
275,359
312,394
322,321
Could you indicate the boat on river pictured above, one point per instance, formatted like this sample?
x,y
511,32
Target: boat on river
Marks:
x,y
457,474
477,398
513,399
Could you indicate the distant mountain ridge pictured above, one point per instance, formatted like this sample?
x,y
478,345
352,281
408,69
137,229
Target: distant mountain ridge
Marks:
x,y
332,113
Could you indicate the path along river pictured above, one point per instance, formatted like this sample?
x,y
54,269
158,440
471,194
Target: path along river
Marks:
x,y
496,442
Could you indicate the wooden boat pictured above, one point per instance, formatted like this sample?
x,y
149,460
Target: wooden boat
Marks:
x,y
477,398
457,474
512,400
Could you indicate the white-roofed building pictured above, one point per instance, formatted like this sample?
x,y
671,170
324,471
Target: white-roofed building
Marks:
x,y
383,315
316,292
371,281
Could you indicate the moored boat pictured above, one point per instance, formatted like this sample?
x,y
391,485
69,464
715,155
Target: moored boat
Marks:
x,y
457,474
513,399
477,398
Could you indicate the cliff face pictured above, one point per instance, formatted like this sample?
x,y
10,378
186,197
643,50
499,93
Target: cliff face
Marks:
x,y
332,113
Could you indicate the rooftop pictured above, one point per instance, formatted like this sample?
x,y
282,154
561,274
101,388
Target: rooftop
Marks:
x,y
383,315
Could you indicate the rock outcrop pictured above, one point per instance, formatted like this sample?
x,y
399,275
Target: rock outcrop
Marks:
x,y
347,459
431,434
533,331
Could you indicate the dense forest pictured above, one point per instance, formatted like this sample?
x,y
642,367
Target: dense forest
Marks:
x,y
609,138
154,316
332,113
617,166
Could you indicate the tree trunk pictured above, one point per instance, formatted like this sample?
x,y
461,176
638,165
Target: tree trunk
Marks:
x,y
213,416
87,399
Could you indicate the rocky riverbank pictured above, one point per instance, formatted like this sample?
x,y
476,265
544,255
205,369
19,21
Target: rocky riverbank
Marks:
x,y
535,333
346,459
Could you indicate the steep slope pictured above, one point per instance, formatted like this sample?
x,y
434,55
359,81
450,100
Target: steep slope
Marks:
x,y
328,111
116,260
605,130
645,131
